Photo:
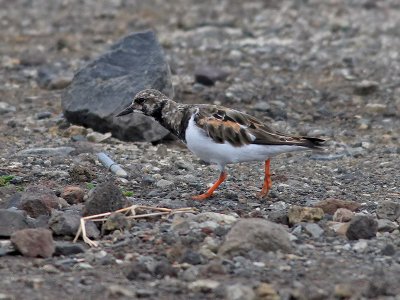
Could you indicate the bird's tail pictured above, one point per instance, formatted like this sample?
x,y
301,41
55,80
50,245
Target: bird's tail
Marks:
x,y
314,143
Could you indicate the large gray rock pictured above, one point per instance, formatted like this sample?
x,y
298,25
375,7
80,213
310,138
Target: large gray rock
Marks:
x,y
107,85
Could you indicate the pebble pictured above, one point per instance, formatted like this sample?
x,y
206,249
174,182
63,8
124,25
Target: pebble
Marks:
x,y
42,152
366,87
314,230
34,242
43,115
360,246
385,225
67,224
6,108
164,183
297,214
68,248
73,194
330,205
12,221
208,75
81,173
39,200
388,209
362,227
255,234
342,215
203,285
266,291
239,291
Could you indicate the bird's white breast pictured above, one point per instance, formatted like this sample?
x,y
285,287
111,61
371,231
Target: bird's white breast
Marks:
x,y
204,147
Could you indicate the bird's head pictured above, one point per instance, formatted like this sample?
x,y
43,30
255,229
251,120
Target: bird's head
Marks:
x,y
148,102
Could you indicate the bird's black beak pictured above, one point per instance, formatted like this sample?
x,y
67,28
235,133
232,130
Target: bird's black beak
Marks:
x,y
126,111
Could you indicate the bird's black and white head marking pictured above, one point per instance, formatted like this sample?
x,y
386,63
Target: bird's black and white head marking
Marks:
x,y
148,102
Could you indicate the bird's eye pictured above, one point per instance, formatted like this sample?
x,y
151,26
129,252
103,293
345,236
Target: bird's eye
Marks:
x,y
140,100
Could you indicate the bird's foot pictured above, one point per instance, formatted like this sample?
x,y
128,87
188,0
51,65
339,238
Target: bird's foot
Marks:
x,y
202,196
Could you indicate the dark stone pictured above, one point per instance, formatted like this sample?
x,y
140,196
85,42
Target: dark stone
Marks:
x,y
39,200
362,227
116,221
80,173
34,242
107,85
191,257
68,248
388,250
208,75
106,197
67,223
12,221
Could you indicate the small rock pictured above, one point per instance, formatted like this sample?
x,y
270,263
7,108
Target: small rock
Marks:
x,y
34,242
360,246
43,115
329,206
366,87
362,227
81,173
164,183
239,291
216,217
67,223
208,75
12,221
191,257
106,197
344,290
255,234
388,210
297,214
339,228
262,106
203,285
376,108
343,215
59,82
6,247
97,137
388,250
68,248
279,216
118,291
73,194
116,221
265,291
385,225
314,230
39,200
6,108
75,130
58,151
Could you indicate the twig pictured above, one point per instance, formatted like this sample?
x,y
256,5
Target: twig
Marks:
x,y
132,210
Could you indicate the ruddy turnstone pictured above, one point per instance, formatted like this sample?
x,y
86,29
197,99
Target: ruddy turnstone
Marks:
x,y
219,135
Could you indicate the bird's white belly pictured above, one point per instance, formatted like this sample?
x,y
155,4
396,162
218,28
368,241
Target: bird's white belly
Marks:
x,y
204,147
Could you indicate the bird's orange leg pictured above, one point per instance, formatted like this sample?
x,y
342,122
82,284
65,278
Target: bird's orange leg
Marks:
x,y
209,193
267,180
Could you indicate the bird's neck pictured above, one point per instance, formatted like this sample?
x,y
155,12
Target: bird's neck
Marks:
x,y
171,116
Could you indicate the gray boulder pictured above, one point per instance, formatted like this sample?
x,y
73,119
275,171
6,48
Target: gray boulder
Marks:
x,y
108,84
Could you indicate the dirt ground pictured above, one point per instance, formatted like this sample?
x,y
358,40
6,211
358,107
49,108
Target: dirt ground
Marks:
x,y
321,68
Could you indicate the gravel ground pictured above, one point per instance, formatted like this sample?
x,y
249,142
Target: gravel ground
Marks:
x,y
324,68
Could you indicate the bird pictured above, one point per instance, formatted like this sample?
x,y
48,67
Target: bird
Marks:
x,y
220,135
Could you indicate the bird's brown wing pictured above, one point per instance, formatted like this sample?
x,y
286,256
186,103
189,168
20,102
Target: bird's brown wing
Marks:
x,y
227,125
